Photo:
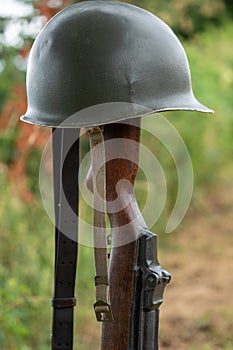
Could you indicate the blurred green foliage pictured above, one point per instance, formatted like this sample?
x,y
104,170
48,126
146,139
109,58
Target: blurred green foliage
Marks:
x,y
25,272
9,74
26,233
207,137
32,170
8,151
190,16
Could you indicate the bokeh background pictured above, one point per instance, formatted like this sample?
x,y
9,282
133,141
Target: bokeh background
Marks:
x,y
198,308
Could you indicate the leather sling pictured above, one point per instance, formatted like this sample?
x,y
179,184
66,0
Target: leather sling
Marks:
x,y
65,170
102,304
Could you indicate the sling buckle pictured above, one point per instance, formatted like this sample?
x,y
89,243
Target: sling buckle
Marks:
x,y
63,303
103,311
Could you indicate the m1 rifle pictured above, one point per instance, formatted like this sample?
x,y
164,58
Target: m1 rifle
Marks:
x,y
137,280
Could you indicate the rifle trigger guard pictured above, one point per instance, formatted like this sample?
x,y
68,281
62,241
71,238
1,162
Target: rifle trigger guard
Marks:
x,y
103,311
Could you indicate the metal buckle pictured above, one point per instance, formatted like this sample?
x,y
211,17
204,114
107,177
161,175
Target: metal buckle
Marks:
x,y
103,311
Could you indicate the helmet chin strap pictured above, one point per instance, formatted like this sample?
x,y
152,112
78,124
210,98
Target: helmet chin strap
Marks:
x,y
102,304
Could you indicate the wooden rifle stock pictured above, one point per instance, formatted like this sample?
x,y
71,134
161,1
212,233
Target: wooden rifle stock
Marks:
x,y
123,258
130,241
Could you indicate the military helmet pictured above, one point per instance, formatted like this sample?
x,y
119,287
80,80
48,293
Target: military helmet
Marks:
x,y
100,52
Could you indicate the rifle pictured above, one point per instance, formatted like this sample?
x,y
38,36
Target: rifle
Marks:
x,y
136,279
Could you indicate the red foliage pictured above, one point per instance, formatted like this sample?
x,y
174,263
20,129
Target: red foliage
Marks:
x,y
23,51
28,136
49,9
45,10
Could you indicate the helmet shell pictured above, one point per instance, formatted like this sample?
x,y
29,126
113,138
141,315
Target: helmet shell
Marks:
x,y
100,52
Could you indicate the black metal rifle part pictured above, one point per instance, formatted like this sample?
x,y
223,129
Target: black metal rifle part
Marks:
x,y
150,279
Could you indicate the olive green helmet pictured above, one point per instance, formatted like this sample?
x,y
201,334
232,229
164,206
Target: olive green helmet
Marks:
x,y
101,52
